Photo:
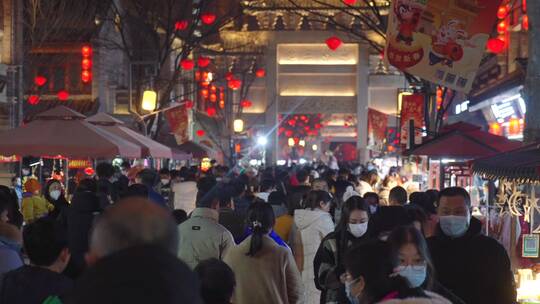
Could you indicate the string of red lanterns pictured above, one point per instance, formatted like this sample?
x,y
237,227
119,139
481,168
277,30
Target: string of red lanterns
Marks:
x,y
86,64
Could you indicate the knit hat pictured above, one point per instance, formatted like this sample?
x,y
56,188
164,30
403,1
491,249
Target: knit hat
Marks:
x,y
32,185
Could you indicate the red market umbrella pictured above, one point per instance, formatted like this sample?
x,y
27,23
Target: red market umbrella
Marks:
x,y
62,132
149,147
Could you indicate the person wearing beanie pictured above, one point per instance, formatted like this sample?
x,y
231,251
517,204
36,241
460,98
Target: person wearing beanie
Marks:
x,y
34,205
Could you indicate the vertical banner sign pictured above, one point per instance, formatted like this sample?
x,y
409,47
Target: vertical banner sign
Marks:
x,y
179,123
440,40
377,124
412,107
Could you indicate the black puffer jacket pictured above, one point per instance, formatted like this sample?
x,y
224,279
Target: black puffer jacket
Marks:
x,y
474,267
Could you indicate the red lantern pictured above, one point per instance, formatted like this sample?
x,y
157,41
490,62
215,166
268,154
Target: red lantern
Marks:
x,y
211,112
495,45
86,63
525,22
349,2
318,126
181,25
188,103
222,104
502,11
524,6
260,73
213,97
203,61
200,133
187,64
62,95
229,76
204,93
40,80
213,89
234,84
246,103
208,18
33,99
292,122
89,171
501,27
306,128
86,51
86,76
495,128
288,133
333,43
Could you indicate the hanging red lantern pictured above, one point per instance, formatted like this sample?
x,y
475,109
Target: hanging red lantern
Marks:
x,y
495,45
40,80
200,133
62,95
246,103
198,76
525,22
260,73
181,25
524,6
86,76
187,64
204,93
502,11
306,128
229,76
33,99
221,103
234,84
86,63
213,89
89,171
318,126
203,61
188,103
501,27
288,133
292,122
86,51
211,112
333,43
213,97
208,18
349,2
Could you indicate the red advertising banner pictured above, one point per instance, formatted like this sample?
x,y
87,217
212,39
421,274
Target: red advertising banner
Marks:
x,y
377,124
440,40
412,107
179,123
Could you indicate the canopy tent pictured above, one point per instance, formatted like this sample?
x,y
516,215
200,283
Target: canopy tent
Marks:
x,y
465,141
64,132
520,165
149,147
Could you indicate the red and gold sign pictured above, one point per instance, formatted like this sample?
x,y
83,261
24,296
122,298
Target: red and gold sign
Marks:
x,y
178,123
412,108
377,124
79,163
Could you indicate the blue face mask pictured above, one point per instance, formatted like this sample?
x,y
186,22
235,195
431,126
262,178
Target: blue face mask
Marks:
x,y
416,275
372,209
348,291
454,226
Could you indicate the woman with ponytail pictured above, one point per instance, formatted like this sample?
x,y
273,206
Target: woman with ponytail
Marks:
x,y
265,272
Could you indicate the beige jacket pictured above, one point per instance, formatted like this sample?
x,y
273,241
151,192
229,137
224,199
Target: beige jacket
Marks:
x,y
270,277
433,299
201,237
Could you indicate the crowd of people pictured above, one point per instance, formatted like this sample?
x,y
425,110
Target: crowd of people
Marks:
x,y
278,235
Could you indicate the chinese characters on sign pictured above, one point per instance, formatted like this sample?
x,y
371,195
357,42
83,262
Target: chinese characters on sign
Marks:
x,y
179,123
412,108
440,40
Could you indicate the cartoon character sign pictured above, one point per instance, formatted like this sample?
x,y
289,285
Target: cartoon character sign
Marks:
x,y
408,16
446,45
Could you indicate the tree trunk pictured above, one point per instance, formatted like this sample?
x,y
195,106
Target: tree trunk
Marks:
x,y
532,89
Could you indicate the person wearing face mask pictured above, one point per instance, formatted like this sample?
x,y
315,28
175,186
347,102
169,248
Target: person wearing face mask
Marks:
x,y
473,266
413,262
371,278
310,226
54,194
328,264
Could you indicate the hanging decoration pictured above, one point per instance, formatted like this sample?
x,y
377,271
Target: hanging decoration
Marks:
x,y
86,64
208,18
62,95
495,45
203,61
260,73
349,2
502,12
300,125
40,80
200,133
33,99
229,76
333,43
89,171
213,97
188,104
246,103
525,22
234,84
181,25
502,27
187,64
211,112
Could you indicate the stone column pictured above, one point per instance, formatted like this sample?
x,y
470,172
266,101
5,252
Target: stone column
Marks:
x,y
362,102
532,90
272,101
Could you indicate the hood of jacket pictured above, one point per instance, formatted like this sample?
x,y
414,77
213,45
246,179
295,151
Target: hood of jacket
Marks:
x,y
304,218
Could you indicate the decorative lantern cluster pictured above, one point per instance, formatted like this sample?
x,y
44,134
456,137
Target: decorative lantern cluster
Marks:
x,y
439,97
300,126
498,45
86,64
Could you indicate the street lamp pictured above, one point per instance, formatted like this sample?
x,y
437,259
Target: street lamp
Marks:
x,y
238,125
314,148
262,141
291,142
149,100
302,143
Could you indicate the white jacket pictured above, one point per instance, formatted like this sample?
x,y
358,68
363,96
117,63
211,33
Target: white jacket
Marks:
x,y
313,226
201,237
363,188
185,195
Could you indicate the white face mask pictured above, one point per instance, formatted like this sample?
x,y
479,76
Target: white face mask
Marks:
x,y
454,226
358,230
55,194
